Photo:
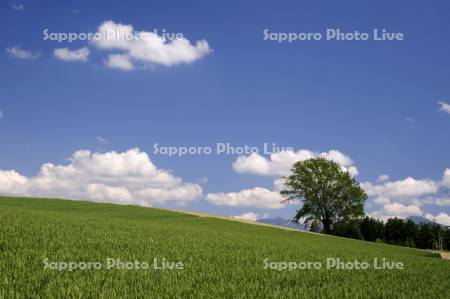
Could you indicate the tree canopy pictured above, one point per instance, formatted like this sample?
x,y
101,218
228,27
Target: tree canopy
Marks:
x,y
329,194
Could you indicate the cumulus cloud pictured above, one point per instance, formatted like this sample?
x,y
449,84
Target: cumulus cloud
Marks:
x,y
444,107
280,163
11,182
119,61
149,48
396,209
381,200
446,178
405,197
383,178
408,187
19,53
65,54
442,201
129,178
257,198
441,218
278,184
203,180
250,216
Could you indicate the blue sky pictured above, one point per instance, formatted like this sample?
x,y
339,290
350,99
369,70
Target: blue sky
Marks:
x,y
377,102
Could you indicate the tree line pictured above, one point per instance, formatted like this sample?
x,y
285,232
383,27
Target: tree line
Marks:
x,y
396,231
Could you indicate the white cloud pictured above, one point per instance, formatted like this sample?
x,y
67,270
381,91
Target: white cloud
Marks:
x,y
102,140
278,184
383,178
382,201
203,180
12,182
405,197
19,53
149,49
398,209
441,218
446,178
17,6
442,201
179,194
250,216
408,187
395,209
102,192
119,61
128,177
65,54
257,197
280,163
445,107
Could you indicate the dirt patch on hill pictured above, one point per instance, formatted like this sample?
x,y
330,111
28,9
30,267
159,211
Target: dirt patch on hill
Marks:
x,y
205,215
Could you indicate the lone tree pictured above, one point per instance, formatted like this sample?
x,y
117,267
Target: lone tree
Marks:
x,y
329,194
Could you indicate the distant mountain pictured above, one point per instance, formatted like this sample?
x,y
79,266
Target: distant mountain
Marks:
x,y
282,222
420,220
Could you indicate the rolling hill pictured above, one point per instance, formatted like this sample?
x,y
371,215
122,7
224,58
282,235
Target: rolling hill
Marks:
x,y
62,248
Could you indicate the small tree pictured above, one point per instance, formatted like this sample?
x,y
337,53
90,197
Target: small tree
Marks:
x,y
329,194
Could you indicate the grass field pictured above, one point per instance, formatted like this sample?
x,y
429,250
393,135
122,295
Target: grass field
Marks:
x,y
222,259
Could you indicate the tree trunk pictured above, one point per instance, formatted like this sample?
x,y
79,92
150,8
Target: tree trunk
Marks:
x,y
326,227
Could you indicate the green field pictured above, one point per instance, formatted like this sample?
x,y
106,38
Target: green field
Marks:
x,y
222,259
